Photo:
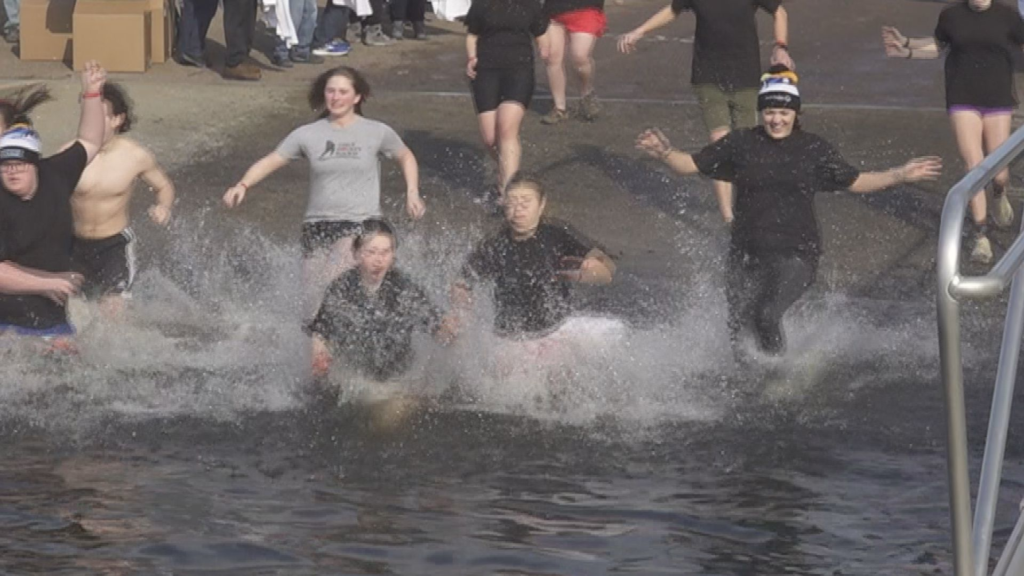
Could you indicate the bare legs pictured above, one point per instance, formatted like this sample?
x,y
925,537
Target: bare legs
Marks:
x,y
580,47
499,130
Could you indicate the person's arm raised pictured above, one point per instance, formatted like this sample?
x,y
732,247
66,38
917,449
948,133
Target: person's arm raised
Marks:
x,y
657,145
92,122
780,54
916,170
254,175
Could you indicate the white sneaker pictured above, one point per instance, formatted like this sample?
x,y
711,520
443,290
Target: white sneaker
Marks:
x,y
982,252
1002,211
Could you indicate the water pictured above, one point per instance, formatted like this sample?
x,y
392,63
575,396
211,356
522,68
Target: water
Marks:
x,y
185,440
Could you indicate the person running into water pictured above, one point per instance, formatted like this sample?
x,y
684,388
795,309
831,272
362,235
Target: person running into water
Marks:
x,y
36,229
104,248
981,39
532,262
575,27
777,169
343,150
499,49
726,63
369,313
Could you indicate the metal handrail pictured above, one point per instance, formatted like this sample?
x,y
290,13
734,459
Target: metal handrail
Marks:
x,y
971,547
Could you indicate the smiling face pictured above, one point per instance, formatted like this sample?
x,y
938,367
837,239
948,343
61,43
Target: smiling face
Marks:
x,y
376,256
19,178
340,97
523,209
778,122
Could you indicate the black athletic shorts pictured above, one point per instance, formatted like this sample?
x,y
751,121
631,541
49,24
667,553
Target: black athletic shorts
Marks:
x,y
492,86
108,264
322,235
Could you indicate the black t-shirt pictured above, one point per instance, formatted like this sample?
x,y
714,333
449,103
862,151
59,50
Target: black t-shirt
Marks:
x,y
374,331
983,47
38,234
555,7
775,182
505,31
726,52
529,297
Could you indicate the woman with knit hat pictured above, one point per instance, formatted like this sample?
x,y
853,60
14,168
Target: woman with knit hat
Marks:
x,y
776,169
983,39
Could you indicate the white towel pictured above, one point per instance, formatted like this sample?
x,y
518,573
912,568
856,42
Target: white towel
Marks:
x,y
451,9
277,14
361,7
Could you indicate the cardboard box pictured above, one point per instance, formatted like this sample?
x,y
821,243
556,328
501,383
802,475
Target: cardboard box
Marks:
x,y
46,29
114,32
161,30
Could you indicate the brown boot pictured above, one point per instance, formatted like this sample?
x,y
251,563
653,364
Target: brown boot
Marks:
x,y
244,71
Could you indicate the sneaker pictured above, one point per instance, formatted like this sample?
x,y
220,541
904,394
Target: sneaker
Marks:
x,y
355,30
419,30
335,48
307,58
12,35
398,30
190,60
982,252
590,107
245,71
281,60
555,116
375,36
1002,211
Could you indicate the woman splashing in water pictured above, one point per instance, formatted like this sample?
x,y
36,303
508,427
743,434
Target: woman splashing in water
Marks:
x,y
343,150
777,169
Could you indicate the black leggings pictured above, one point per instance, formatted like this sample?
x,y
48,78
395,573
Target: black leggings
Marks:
x,y
492,86
408,10
760,289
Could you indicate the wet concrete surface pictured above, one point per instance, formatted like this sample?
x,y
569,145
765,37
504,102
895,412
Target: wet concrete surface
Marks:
x,y
664,229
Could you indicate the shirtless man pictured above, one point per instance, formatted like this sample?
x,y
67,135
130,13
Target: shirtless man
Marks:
x,y
104,249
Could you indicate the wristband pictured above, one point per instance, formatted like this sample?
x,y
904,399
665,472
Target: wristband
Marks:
x,y
668,152
906,42
243,185
87,95
782,45
910,53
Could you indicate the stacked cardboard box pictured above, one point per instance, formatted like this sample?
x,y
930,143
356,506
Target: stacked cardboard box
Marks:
x,y
123,35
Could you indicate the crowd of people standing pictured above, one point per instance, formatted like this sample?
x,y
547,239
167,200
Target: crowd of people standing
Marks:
x,y
59,231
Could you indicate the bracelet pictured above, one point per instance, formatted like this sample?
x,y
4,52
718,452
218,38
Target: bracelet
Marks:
x,y
906,42
910,53
668,152
243,185
87,95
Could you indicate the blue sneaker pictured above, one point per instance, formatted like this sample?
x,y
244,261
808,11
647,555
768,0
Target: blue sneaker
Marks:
x,y
334,48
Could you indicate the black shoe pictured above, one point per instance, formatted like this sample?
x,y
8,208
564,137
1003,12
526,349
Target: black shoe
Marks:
x,y
281,61
189,60
308,58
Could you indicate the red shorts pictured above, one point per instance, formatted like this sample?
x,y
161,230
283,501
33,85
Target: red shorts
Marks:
x,y
587,21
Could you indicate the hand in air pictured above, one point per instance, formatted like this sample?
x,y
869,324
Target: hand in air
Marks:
x,y
159,215
63,285
415,207
627,41
471,68
894,42
920,169
93,77
234,196
654,143
572,269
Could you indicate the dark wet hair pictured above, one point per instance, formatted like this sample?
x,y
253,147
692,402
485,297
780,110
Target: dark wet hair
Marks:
x,y
525,180
359,84
372,227
120,104
16,109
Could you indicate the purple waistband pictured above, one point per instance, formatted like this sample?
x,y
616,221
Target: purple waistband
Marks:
x,y
58,330
980,110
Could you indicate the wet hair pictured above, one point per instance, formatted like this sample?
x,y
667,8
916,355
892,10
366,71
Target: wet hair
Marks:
x,y
16,109
525,180
120,105
372,227
316,91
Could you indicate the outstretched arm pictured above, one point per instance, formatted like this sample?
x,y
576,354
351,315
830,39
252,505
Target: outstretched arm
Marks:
x,y
780,54
916,170
92,122
156,178
627,42
254,175
19,281
899,46
657,145
411,171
